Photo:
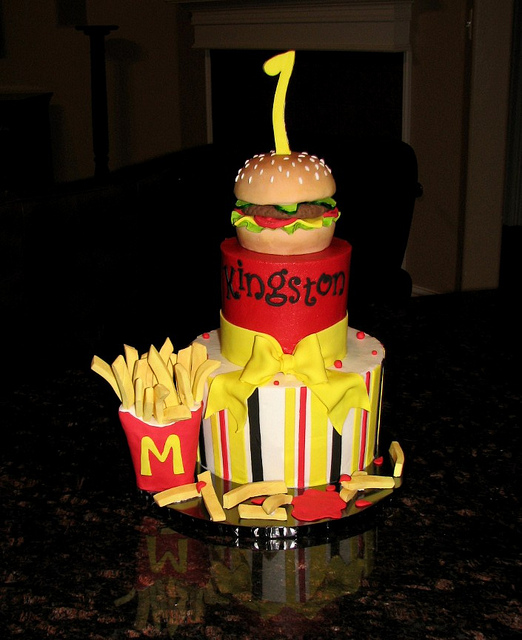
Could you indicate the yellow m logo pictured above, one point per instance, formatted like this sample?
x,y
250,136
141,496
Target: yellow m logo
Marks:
x,y
149,447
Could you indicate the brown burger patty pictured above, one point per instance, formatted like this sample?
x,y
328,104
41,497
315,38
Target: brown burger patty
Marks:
x,y
304,210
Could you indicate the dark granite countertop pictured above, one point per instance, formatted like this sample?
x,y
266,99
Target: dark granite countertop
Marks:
x,y
84,555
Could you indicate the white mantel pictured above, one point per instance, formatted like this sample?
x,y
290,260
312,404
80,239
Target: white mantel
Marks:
x,y
335,25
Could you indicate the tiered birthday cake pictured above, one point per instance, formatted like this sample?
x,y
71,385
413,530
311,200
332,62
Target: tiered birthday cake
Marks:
x,y
298,393
281,404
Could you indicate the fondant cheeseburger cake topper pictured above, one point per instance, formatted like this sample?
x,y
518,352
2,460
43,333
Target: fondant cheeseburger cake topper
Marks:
x,y
284,198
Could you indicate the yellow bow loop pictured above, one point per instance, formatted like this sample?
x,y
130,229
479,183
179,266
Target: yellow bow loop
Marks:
x,y
264,361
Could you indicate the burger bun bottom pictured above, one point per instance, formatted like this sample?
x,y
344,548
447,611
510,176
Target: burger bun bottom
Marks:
x,y
278,242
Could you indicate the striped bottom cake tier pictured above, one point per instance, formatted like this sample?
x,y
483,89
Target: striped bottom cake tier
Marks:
x,y
288,434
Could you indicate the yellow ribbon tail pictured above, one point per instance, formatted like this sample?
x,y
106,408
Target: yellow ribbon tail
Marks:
x,y
227,391
342,392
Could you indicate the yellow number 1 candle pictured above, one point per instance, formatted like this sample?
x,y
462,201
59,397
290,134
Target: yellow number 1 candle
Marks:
x,y
281,64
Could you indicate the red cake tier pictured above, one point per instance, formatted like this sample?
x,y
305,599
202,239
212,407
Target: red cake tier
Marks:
x,y
287,297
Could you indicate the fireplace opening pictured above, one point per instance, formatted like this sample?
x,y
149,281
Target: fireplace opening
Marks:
x,y
331,94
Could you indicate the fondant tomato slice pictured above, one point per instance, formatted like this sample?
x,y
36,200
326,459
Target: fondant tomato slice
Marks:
x,y
272,223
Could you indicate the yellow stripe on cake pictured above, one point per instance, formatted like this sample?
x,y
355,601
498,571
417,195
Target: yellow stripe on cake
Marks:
x,y
290,433
356,438
238,454
216,445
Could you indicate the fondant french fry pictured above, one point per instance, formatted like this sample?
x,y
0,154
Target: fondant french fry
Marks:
x,y
176,412
199,356
166,350
183,384
214,508
185,358
131,357
148,404
360,483
203,372
123,379
143,370
104,369
162,374
160,395
256,512
177,494
397,455
271,503
141,367
347,494
251,490
139,390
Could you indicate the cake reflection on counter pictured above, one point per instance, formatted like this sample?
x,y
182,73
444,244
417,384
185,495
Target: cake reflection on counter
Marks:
x,y
178,579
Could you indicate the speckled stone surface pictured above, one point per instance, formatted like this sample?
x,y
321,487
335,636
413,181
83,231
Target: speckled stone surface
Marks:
x,y
84,556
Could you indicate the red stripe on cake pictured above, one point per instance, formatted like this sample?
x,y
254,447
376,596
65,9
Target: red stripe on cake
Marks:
x,y
364,431
224,445
301,452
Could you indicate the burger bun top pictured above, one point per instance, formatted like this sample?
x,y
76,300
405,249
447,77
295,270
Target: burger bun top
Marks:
x,y
283,179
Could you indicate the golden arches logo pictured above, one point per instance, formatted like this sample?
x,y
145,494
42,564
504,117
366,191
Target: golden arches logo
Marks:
x,y
148,446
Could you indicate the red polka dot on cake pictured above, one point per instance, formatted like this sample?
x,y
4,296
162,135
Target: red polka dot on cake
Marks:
x,y
374,353
360,335
206,336
338,364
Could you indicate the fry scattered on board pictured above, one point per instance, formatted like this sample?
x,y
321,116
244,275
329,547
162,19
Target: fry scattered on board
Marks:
x,y
363,482
159,384
177,494
208,493
272,503
256,512
251,490
397,455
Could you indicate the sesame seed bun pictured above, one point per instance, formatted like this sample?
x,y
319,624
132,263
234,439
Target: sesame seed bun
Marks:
x,y
269,178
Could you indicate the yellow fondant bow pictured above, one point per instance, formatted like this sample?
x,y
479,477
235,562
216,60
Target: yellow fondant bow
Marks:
x,y
338,391
306,363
